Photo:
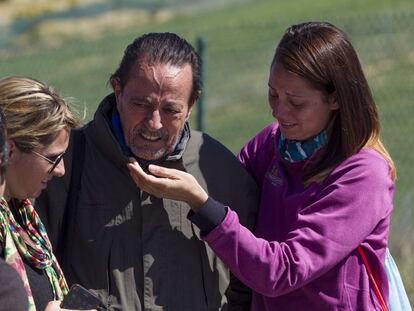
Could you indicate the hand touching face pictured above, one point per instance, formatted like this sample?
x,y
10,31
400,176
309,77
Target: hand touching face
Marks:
x,y
169,183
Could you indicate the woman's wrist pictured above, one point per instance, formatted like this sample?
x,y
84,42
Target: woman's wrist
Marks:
x,y
198,200
209,216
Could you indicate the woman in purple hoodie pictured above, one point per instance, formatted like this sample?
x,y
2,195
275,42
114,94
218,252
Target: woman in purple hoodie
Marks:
x,y
327,184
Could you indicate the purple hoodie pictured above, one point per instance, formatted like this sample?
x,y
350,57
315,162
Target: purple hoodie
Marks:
x,y
302,255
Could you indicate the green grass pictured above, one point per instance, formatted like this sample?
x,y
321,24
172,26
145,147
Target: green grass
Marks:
x,y
241,40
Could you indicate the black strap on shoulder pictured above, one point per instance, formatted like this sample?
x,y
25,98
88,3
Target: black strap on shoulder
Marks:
x,y
78,156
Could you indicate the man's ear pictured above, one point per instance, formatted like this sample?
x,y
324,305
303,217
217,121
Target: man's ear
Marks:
x,y
192,103
116,86
190,109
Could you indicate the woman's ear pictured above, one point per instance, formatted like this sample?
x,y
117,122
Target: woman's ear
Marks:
x,y
332,101
11,146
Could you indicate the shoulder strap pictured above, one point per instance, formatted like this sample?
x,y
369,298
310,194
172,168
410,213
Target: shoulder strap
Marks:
x,y
78,156
372,279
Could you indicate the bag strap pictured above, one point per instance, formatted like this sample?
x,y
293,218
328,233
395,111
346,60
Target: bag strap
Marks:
x,y
372,279
78,156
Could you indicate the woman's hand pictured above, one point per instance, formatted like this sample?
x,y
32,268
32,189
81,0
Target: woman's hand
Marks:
x,y
169,183
55,306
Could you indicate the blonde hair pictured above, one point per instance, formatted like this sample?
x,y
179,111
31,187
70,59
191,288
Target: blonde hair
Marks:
x,y
376,144
34,112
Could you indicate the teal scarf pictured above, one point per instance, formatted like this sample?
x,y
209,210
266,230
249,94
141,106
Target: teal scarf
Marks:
x,y
296,150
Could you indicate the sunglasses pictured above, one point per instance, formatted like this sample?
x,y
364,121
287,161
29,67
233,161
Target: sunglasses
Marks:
x,y
52,160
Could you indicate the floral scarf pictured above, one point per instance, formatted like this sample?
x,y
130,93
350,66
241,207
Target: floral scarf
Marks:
x,y
29,243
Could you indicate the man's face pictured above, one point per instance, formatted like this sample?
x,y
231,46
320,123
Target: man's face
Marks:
x,y
153,107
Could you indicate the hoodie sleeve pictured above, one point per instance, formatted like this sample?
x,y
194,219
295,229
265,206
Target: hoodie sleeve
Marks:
x,y
355,201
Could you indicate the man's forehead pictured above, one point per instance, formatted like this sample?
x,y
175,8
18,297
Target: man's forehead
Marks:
x,y
145,63
158,71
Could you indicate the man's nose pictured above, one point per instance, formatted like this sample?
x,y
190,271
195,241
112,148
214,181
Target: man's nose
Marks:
x,y
154,120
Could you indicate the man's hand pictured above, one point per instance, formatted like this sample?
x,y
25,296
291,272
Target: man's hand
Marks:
x,y
169,183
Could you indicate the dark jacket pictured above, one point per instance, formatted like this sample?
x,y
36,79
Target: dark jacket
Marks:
x,y
13,296
137,251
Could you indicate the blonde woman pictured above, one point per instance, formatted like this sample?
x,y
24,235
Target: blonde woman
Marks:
x,y
38,126
12,293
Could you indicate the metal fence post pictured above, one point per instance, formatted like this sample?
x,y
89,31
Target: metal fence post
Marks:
x,y
201,48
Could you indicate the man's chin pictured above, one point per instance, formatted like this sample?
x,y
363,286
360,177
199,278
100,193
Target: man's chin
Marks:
x,y
148,155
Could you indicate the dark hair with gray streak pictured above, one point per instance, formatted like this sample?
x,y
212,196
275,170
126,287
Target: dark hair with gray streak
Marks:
x,y
161,48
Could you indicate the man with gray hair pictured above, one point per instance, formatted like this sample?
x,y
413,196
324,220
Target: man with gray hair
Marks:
x,y
137,251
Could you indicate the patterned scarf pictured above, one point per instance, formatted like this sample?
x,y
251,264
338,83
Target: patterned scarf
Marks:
x,y
30,243
296,150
